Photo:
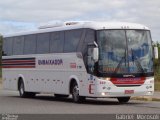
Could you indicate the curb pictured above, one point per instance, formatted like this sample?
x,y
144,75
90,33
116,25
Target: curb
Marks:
x,y
146,98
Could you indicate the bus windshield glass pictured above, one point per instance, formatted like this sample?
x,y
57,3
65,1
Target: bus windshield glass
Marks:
x,y
124,51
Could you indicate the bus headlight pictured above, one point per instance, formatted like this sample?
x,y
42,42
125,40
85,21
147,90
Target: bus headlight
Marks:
x,y
149,92
108,79
103,93
102,78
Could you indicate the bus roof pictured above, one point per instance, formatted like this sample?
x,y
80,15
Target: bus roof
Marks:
x,y
82,24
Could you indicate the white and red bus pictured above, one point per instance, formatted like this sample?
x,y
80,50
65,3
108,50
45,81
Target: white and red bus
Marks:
x,y
82,59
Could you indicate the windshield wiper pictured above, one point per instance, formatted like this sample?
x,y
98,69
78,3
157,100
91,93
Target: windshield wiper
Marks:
x,y
138,64
120,62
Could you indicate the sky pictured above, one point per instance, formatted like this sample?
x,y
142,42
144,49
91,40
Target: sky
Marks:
x,y
22,15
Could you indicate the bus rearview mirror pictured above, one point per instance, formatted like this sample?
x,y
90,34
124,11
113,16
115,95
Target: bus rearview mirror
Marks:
x,y
95,54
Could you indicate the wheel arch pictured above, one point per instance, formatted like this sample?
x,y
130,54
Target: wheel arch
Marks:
x,y
20,78
73,79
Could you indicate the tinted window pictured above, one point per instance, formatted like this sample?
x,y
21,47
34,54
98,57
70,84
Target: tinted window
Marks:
x,y
57,41
43,43
87,37
7,46
72,38
90,36
18,44
30,44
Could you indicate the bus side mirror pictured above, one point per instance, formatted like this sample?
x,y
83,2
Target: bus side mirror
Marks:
x,y
95,54
156,52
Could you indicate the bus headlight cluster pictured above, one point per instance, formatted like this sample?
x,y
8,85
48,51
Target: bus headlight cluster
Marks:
x,y
102,78
103,93
152,81
149,92
108,79
108,88
147,87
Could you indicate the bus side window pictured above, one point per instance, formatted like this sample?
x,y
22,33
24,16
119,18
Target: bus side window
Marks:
x,y
7,46
72,38
57,42
89,38
43,43
18,45
30,44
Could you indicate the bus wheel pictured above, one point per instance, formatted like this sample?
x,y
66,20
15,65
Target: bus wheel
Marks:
x,y
75,94
22,92
123,99
60,96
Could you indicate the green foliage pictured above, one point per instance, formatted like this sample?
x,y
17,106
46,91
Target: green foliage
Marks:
x,y
157,68
157,86
157,74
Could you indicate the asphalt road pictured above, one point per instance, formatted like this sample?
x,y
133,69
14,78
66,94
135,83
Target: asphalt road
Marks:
x,y
10,102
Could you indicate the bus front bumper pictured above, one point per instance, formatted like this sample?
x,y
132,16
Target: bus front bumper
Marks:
x,y
110,90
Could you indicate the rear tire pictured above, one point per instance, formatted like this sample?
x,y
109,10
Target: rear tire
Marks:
x,y
22,92
75,94
21,89
123,99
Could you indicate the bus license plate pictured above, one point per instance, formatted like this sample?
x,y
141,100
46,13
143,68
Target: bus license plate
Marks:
x,y
129,91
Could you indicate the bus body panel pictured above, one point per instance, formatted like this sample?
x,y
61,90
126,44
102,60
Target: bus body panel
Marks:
x,y
55,78
112,90
52,71
58,81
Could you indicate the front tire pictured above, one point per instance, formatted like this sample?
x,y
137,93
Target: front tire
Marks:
x,y
123,99
75,94
22,92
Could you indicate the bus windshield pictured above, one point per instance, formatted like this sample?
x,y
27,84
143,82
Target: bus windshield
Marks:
x,y
124,51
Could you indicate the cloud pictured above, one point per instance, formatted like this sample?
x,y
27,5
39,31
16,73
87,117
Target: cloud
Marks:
x,y
7,27
35,11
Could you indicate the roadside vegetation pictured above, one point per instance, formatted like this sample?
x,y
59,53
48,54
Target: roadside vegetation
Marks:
x,y
157,68
157,78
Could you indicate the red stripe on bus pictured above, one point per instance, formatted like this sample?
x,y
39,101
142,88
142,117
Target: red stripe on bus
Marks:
x,y
19,61
18,66
124,81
